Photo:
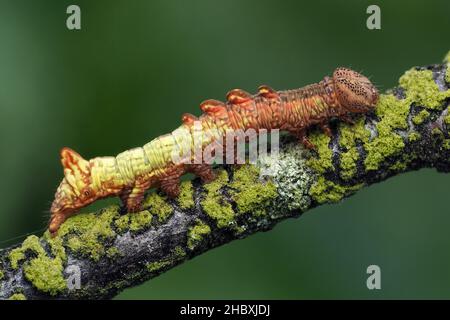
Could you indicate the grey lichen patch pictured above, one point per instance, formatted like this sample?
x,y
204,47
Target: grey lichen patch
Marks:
x,y
291,175
197,233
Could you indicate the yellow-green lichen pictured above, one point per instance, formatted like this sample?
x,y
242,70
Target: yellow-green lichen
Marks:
x,y
140,220
349,135
30,244
158,265
2,275
215,205
323,162
420,117
122,223
414,136
327,191
44,272
398,166
249,192
420,88
179,252
197,233
437,132
186,197
84,231
446,144
17,296
158,206
392,113
112,252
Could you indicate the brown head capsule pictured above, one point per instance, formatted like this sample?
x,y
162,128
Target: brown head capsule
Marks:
x,y
354,91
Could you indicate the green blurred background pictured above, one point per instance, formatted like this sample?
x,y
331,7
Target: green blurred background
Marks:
x,y
136,66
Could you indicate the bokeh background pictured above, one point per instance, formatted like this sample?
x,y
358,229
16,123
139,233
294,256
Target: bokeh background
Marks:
x,y
136,66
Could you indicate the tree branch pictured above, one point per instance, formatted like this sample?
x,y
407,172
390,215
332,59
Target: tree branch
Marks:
x,y
109,251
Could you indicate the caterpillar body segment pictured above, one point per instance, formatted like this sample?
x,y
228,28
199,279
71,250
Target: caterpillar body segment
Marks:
x,y
161,162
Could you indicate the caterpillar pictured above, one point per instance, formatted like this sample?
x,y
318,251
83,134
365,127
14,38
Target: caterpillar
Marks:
x,y
131,173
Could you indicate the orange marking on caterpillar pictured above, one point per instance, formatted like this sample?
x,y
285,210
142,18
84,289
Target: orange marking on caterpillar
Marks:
x,y
131,173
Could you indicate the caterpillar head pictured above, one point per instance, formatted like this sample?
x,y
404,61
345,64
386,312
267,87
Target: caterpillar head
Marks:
x,y
75,190
354,91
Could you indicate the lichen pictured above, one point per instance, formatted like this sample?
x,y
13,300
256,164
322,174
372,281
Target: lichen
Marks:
x,y
186,197
420,117
251,194
85,233
414,136
179,252
398,166
446,144
290,173
215,205
44,272
323,162
17,296
327,191
392,113
349,135
158,206
30,244
140,220
122,223
112,252
2,275
158,265
197,233
420,88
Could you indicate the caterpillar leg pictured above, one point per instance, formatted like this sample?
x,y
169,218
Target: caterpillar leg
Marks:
x,y
326,129
170,184
301,136
132,198
347,119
